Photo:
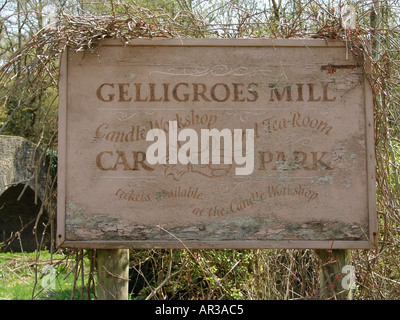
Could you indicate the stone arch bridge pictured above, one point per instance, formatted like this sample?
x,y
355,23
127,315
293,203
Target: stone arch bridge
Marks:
x,y
23,182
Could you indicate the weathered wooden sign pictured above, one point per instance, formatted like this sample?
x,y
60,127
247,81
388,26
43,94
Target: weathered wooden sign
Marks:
x,y
216,144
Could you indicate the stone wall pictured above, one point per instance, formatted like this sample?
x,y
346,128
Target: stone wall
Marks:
x,y
18,157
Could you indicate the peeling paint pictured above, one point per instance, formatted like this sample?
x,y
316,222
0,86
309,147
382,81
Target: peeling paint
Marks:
x,y
322,180
249,228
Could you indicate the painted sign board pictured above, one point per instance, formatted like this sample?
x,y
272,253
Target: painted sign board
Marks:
x,y
215,144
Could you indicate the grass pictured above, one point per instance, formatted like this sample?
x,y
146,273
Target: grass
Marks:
x,y
24,276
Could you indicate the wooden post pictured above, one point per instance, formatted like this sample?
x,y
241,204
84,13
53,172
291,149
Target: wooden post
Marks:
x,y
113,274
331,276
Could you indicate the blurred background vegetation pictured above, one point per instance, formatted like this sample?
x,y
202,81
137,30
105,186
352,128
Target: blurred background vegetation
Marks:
x,y
31,32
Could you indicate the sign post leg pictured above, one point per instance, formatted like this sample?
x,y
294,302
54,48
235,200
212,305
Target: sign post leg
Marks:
x,y
336,274
113,274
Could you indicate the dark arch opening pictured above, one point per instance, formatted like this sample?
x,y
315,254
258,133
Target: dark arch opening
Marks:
x,y
17,220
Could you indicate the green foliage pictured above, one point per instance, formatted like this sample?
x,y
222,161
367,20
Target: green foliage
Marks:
x,y
52,159
223,274
29,112
23,277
